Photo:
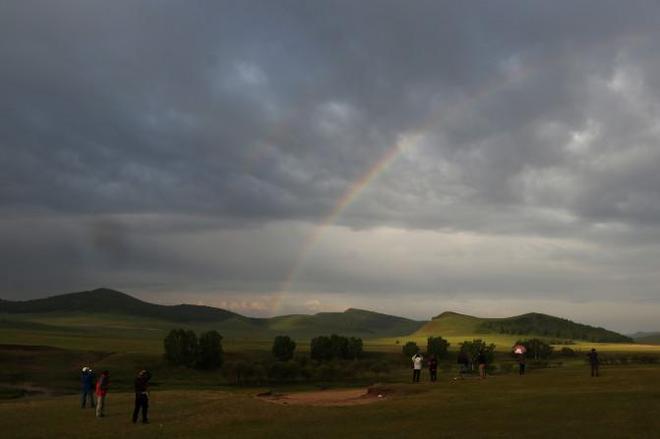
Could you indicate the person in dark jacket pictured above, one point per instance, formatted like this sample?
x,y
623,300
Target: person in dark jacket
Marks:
x,y
463,363
521,364
594,362
87,387
142,396
433,368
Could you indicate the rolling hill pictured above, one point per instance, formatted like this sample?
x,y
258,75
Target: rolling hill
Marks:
x,y
106,302
532,324
105,307
646,337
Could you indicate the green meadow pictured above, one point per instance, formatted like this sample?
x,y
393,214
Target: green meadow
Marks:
x,y
42,354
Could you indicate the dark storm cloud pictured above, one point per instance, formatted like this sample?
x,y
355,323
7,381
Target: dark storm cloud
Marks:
x,y
270,109
131,130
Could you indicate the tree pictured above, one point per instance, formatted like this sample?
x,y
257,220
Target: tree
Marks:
x,y
437,346
181,347
210,353
283,348
354,348
321,348
472,349
410,349
537,349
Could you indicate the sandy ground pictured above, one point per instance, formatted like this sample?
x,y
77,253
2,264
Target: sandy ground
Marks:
x,y
333,397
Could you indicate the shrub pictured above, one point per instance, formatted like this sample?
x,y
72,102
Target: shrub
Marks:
x,y
283,348
325,348
472,349
210,354
181,347
436,346
567,352
410,349
537,349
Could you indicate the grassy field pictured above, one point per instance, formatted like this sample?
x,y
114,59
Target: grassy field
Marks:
x,y
41,355
549,403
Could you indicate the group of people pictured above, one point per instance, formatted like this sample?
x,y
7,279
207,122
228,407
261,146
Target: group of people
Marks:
x,y
463,361
91,387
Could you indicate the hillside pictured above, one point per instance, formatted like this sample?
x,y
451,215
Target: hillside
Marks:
x,y
646,337
98,304
351,321
103,300
532,324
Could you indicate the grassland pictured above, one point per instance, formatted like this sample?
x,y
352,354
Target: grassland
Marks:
x,y
45,351
550,403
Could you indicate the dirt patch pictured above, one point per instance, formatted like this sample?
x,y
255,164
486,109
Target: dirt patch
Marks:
x,y
329,397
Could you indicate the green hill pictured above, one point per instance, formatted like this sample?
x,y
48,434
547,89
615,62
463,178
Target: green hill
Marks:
x,y
351,321
532,324
646,337
107,308
103,300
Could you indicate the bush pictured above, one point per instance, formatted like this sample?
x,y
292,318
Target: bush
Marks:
x,y
283,348
210,354
436,346
567,352
181,347
354,348
537,349
325,348
410,349
284,371
472,349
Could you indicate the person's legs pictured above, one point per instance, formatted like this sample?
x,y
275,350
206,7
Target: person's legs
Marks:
x,y
83,399
100,406
145,409
136,408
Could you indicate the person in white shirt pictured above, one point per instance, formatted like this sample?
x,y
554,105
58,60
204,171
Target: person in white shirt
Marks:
x,y
417,360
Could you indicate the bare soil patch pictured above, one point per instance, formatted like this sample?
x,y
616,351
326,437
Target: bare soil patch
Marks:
x,y
329,397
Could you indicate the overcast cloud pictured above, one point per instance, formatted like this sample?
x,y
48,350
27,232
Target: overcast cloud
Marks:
x,y
190,151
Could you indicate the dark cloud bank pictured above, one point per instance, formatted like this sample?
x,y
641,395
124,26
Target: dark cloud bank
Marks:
x,y
185,152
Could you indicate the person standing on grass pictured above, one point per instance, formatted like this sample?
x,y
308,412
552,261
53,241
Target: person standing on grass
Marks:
x,y
521,364
101,393
87,387
463,363
433,368
417,361
594,362
481,361
141,396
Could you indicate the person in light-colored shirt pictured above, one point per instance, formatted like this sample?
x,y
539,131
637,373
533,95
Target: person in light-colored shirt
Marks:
x,y
417,360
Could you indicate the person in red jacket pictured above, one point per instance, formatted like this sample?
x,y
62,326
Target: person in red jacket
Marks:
x,y
101,393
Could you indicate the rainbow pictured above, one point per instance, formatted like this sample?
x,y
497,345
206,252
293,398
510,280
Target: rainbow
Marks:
x,y
347,198
383,163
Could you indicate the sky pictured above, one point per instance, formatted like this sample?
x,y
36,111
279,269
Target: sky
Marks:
x,y
276,156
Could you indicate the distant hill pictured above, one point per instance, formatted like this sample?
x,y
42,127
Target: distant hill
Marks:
x,y
106,301
103,300
646,337
352,320
532,324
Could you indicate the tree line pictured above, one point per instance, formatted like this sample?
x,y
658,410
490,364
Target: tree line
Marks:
x,y
184,348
